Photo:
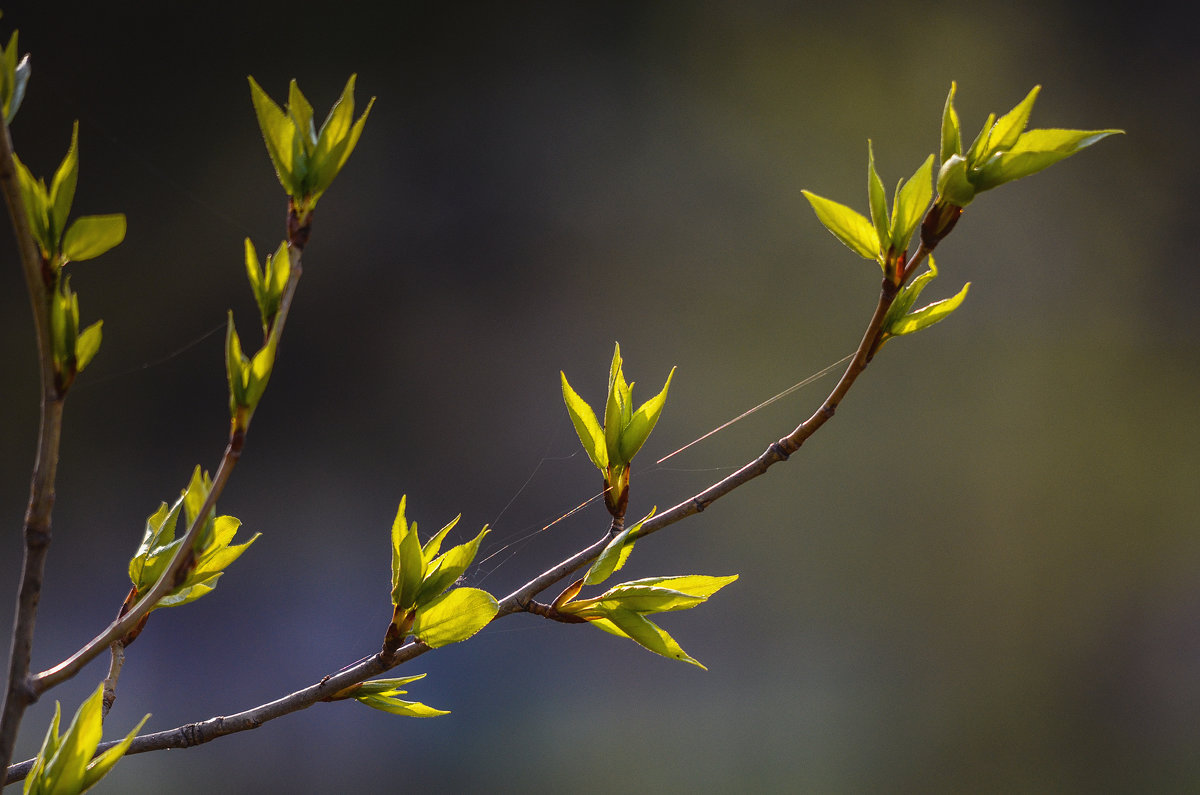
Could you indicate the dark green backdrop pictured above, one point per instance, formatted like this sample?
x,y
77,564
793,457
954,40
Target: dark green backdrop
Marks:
x,y
984,575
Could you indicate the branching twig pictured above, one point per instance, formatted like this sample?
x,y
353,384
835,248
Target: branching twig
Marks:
x,y
19,693
522,599
177,569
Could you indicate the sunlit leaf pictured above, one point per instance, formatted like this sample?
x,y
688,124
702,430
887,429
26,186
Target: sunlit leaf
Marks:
x,y
454,616
878,201
1034,151
643,421
926,316
911,202
643,631
1009,127
92,235
444,570
87,344
62,187
951,131
591,435
279,135
615,553
856,232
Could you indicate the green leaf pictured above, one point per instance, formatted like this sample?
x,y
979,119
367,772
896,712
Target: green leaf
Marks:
x,y
643,631
1034,151
62,187
928,315
37,207
374,687
442,572
911,202
702,585
617,411
105,761
951,131
434,545
454,616
979,145
615,553
92,235
49,747
408,564
299,108
856,232
279,135
235,365
879,212
591,435
64,772
408,709
643,421
87,344
1009,127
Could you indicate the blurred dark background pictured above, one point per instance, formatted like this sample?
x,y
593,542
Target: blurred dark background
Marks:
x,y
983,576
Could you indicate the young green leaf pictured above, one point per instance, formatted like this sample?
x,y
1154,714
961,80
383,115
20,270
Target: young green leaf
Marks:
x,y
279,134
454,616
434,545
878,201
381,694
951,131
65,764
1034,151
62,187
442,571
87,344
911,202
1008,128
643,421
615,553
92,235
643,631
926,316
408,564
856,232
591,435
13,78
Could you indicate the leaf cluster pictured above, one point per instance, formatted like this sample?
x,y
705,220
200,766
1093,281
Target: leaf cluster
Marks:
x,y
212,550
381,694
622,609
611,447
421,575
1003,150
65,764
884,238
902,319
306,159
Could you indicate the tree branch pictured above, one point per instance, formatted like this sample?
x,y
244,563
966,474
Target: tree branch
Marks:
x,y
19,693
177,569
522,599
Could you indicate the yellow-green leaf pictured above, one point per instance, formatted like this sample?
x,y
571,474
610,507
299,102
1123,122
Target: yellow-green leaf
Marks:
x,y
856,232
454,616
92,235
591,435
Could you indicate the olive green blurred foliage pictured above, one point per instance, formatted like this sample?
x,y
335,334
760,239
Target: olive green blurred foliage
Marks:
x,y
984,575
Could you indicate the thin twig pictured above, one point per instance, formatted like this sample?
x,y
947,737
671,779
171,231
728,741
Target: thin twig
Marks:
x,y
19,694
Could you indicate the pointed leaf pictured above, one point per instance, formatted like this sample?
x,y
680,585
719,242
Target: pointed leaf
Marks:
x,y
856,232
92,235
62,187
979,145
65,771
644,632
879,211
702,585
301,111
1034,151
443,571
591,435
454,616
951,131
279,135
433,545
87,344
395,706
615,553
1010,126
643,422
928,315
105,761
911,202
